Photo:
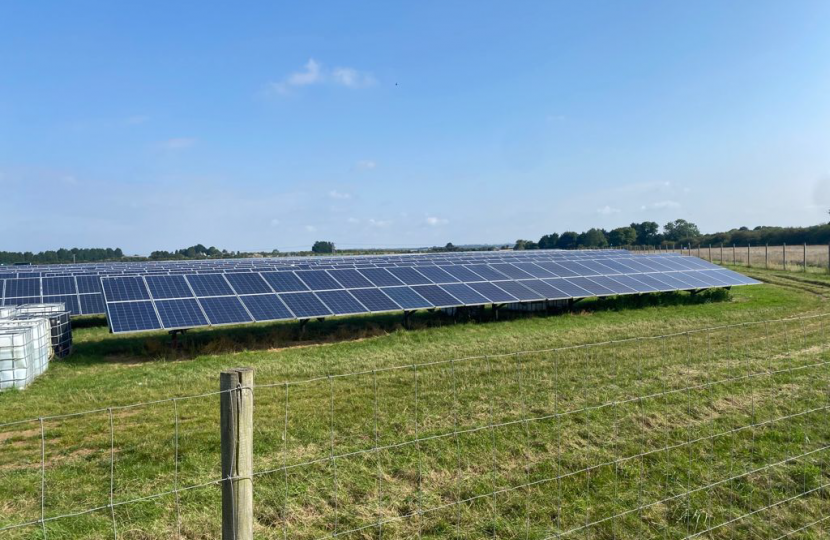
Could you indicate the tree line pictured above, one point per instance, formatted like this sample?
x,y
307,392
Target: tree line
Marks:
x,y
678,233
62,256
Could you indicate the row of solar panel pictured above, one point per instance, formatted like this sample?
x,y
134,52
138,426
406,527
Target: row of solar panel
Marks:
x,y
177,308
310,262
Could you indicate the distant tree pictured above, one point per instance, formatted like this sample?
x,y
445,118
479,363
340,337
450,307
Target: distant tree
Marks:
x,y
567,240
450,247
623,236
681,231
322,246
549,241
648,233
525,244
593,238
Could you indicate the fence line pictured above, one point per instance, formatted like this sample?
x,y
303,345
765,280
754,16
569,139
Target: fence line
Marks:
x,y
594,403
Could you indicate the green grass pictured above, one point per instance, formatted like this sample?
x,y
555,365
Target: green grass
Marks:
x,y
576,452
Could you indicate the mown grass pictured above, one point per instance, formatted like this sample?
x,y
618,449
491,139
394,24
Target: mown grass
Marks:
x,y
609,441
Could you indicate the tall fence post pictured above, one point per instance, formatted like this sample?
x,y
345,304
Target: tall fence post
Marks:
x,y
710,252
828,258
784,250
236,421
766,256
805,257
748,255
721,252
734,257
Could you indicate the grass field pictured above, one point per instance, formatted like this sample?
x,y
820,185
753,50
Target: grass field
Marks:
x,y
637,439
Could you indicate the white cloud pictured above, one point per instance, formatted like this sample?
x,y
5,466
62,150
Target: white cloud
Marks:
x,y
334,194
365,165
661,205
433,221
314,72
607,210
379,223
352,78
136,120
178,143
310,228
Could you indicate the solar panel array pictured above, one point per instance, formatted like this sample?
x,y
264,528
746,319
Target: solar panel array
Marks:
x,y
355,285
79,286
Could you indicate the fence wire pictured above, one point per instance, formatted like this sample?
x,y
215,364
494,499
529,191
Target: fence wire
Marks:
x,y
718,432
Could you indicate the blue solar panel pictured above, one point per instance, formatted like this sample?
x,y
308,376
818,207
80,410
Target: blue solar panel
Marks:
x,y
88,284
284,281
649,281
305,305
21,300
266,307
591,286
318,280
598,269
132,317
557,269
465,294
118,289
182,313
162,287
380,277
248,283
534,270
493,293
350,279
341,302
612,285
406,298
548,291
59,285
463,274
224,310
518,290
209,285
436,295
16,288
436,274
672,282
92,304
635,284
486,272
566,286
511,271
410,276
576,268
70,302
695,279
375,300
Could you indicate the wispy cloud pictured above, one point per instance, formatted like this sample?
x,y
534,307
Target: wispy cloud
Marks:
x,y
661,205
434,221
607,210
334,194
365,165
379,223
314,73
178,143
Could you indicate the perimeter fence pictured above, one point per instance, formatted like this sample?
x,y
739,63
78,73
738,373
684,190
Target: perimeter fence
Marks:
x,y
720,432
795,258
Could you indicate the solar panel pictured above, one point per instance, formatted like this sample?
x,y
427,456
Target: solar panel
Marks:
x,y
224,310
534,270
284,281
568,287
305,305
16,288
318,280
181,313
341,302
208,285
516,289
92,304
375,300
132,316
247,283
465,294
511,271
59,285
266,307
464,275
546,290
162,287
634,284
591,286
126,288
437,296
612,285
436,274
70,302
407,298
410,276
486,272
380,277
88,284
350,279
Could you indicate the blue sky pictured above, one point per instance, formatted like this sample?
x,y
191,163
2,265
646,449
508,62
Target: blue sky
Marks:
x,y
253,126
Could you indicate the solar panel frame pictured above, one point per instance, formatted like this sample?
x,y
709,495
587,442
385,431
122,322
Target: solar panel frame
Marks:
x,y
409,275
208,285
164,287
375,300
341,302
407,298
224,310
248,283
266,307
180,313
284,282
305,305
129,317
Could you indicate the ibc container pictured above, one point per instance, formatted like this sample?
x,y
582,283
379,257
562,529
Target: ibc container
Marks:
x,y
17,357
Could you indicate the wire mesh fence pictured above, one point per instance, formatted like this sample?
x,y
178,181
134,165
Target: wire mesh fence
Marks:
x,y
718,433
795,258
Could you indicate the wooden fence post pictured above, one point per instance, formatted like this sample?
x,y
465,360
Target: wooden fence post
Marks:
x,y
766,256
734,257
236,421
721,252
785,256
748,255
805,257
710,252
